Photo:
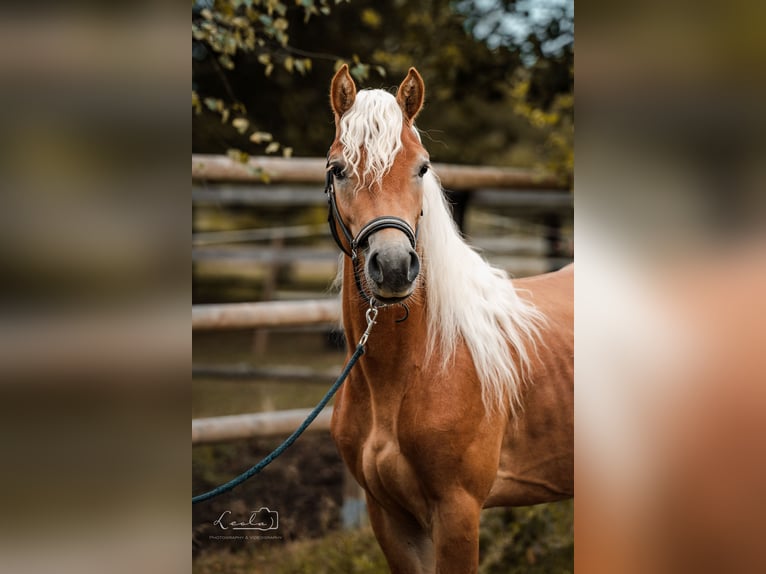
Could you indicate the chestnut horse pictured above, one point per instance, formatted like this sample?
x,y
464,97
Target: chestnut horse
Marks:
x,y
464,397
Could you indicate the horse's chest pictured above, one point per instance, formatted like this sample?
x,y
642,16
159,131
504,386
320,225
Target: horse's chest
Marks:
x,y
370,444
386,472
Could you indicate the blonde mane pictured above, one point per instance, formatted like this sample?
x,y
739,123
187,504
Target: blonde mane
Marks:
x,y
467,299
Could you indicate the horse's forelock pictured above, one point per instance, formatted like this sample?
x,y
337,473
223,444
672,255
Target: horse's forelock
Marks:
x,y
370,136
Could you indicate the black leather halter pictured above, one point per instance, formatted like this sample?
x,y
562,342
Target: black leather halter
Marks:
x,y
352,244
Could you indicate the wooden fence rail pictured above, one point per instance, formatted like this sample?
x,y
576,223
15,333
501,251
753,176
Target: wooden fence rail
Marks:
x,y
265,314
251,425
248,372
311,171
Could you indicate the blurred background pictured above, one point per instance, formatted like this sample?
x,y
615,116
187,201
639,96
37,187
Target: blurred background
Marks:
x,y
94,206
498,123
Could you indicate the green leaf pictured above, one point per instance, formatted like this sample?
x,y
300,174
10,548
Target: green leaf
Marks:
x,y
260,137
213,104
237,155
240,124
226,61
360,72
280,24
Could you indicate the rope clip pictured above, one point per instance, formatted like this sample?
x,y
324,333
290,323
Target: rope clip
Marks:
x,y
371,315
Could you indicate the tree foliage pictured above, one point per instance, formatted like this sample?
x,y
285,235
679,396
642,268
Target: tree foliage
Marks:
x,y
253,31
496,93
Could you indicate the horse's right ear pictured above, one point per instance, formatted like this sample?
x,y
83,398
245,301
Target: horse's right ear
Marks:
x,y
342,91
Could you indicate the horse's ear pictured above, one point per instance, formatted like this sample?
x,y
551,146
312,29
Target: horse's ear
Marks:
x,y
342,91
411,93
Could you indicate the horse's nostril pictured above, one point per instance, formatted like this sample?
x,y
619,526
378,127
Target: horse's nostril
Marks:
x,y
374,269
414,269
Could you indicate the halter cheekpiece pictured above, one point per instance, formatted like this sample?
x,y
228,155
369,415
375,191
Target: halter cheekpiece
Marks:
x,y
335,221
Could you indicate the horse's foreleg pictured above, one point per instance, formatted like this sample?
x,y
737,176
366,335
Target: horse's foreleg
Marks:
x,y
406,546
456,534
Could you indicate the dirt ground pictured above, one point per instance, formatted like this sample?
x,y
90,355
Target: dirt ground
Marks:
x,y
304,486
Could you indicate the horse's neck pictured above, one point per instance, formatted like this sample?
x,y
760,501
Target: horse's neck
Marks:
x,y
396,345
397,339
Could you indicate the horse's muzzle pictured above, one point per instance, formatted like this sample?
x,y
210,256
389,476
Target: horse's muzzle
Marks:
x,y
391,272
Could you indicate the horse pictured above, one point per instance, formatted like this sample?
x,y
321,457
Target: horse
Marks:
x,y
463,399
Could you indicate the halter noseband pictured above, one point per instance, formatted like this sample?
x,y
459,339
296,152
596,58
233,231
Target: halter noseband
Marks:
x,y
335,221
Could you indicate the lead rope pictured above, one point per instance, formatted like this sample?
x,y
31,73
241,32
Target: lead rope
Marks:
x,y
372,314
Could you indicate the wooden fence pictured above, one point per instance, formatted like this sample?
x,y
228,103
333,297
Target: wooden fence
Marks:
x,y
541,191
527,187
220,182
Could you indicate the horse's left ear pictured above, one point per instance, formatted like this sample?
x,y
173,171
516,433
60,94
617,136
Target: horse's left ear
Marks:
x,y
411,93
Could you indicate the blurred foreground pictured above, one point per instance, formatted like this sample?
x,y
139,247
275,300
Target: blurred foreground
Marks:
x,y
670,338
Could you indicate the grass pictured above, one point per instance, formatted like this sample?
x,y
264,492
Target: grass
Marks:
x,y
355,552
530,540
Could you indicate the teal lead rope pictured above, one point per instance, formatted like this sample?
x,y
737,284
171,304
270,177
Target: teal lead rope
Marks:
x,y
372,313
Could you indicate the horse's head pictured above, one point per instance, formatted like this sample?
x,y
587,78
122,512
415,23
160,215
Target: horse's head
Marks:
x,y
377,165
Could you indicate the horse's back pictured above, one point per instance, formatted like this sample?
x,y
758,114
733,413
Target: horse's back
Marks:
x,y
551,292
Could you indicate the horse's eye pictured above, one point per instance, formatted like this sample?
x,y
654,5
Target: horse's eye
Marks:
x,y
423,170
338,171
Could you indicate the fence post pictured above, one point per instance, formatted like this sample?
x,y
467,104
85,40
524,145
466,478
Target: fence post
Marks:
x,y
459,202
554,245
261,336
353,513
